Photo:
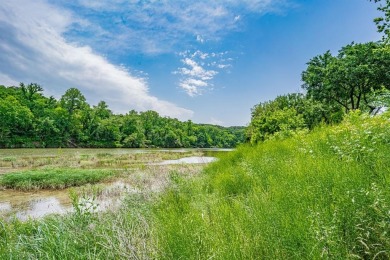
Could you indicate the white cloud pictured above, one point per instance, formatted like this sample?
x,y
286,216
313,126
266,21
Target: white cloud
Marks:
x,y
33,49
193,69
199,69
192,86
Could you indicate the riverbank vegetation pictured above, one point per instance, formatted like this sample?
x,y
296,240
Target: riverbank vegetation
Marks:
x,y
30,119
313,195
310,196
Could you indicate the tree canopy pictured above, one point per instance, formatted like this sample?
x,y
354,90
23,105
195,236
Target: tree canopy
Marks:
x,y
30,119
348,79
357,78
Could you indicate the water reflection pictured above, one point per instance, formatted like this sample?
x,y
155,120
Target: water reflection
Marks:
x,y
192,160
42,207
5,206
25,205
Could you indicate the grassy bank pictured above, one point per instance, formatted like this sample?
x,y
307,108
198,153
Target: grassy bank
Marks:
x,y
53,178
319,195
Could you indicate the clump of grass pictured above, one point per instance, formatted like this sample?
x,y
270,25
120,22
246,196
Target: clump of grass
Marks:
x,y
53,178
104,155
9,159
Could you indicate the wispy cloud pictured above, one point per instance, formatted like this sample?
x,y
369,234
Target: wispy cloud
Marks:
x,y
33,49
159,26
199,69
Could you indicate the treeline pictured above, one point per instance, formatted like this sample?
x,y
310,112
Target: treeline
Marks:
x,y
30,119
358,78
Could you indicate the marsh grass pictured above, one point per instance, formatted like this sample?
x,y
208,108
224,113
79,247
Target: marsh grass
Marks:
x,y
323,194
53,178
124,233
25,159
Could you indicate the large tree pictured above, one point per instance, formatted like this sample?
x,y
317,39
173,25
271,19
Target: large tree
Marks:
x,y
15,123
73,100
348,79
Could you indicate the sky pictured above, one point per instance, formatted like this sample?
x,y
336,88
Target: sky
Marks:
x,y
205,61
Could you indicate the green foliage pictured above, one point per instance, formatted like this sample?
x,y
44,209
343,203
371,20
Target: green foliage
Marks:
x,y
287,199
383,23
29,119
286,115
349,79
16,122
52,178
322,194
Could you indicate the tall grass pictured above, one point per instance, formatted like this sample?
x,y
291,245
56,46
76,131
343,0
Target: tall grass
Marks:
x,y
113,235
319,195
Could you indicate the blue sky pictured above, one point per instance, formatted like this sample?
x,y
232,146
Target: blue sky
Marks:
x,y
208,61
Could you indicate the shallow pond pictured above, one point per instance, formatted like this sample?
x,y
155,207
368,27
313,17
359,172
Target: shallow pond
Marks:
x,y
37,204
192,160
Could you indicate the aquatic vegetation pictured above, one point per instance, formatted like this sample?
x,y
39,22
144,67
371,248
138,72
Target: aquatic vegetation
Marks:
x,y
322,194
53,178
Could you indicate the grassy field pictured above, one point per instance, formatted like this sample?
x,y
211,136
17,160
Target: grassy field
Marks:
x,y
315,195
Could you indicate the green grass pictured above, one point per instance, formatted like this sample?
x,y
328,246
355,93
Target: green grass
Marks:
x,y
319,195
53,178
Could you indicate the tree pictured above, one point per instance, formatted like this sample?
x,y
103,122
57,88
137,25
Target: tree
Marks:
x,y
132,130
271,117
347,80
73,100
383,23
15,124
30,91
108,133
102,111
28,118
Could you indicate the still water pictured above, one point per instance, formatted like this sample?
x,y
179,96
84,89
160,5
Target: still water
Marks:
x,y
37,204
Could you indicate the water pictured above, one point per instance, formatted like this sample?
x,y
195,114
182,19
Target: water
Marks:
x,y
42,207
37,204
189,160
52,152
5,206
34,204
